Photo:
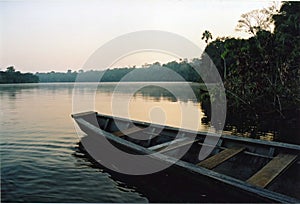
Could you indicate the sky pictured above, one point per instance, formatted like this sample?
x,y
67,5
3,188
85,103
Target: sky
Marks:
x,y
51,35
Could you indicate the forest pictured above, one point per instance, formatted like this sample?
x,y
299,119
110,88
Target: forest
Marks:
x,y
263,69
13,76
261,74
153,72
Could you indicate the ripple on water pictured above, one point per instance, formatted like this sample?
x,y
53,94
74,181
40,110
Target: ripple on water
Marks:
x,y
38,145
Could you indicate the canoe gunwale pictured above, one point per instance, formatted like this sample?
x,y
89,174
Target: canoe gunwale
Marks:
x,y
223,136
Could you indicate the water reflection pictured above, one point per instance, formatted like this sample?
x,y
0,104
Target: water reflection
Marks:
x,y
55,100
183,110
153,91
37,145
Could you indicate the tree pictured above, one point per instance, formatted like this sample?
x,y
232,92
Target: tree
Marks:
x,y
287,49
287,24
206,35
10,69
263,69
217,51
257,20
13,76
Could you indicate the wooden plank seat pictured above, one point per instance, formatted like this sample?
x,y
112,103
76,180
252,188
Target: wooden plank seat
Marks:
x,y
179,144
271,170
219,158
163,145
128,131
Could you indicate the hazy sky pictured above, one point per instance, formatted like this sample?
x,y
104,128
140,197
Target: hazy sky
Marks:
x,y
60,35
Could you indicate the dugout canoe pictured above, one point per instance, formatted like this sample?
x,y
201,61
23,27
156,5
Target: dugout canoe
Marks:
x,y
255,170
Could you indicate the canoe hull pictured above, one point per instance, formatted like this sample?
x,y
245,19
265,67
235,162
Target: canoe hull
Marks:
x,y
182,182
175,183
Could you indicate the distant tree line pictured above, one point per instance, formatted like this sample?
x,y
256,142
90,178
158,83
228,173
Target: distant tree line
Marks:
x,y
171,71
53,76
13,76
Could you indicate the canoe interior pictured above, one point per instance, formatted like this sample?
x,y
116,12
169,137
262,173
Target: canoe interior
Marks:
x,y
240,158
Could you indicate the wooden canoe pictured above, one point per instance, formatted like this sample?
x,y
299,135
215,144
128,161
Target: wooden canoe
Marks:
x,y
256,170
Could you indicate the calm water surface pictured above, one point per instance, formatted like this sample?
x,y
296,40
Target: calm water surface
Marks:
x,y
40,160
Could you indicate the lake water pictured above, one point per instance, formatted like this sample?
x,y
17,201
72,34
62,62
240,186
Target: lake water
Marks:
x,y
40,159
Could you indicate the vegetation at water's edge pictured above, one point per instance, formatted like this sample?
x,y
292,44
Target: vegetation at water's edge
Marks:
x,y
261,74
13,76
262,71
152,72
